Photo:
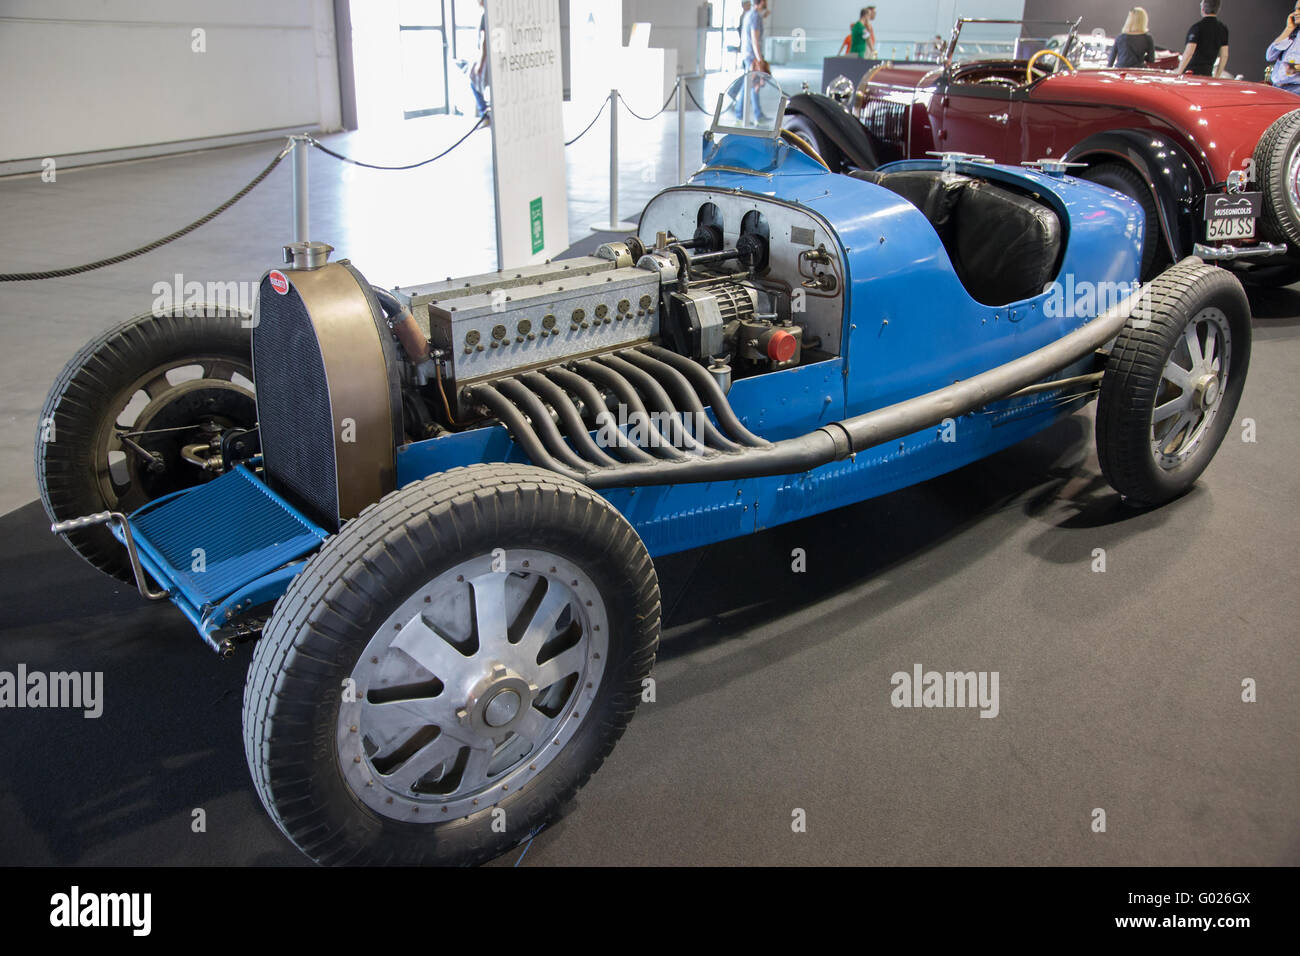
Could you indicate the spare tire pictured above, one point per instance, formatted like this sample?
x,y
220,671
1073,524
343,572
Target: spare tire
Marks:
x,y
802,126
835,127
1277,175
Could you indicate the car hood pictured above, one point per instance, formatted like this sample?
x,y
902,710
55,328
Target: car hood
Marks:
x,y
1225,119
1161,92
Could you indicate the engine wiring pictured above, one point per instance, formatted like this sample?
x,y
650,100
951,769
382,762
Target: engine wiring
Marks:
x,y
442,391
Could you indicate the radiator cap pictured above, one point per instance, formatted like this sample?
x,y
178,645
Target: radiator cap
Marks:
x,y
307,255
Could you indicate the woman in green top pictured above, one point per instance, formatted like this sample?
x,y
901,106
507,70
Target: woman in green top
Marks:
x,y
863,34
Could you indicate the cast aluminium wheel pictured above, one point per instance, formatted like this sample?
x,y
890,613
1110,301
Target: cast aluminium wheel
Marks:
x,y
1277,175
450,668
1172,383
473,685
136,414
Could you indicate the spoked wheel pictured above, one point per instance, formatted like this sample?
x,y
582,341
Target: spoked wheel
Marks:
x,y
1173,382
450,668
139,413
1191,384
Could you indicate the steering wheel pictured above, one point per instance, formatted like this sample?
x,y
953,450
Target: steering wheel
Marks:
x,y
1032,74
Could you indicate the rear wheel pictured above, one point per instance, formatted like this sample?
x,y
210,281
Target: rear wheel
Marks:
x,y
448,670
1126,180
136,415
1172,383
1277,175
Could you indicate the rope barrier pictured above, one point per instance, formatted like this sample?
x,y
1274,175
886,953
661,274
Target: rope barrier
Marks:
x,y
600,112
697,102
637,115
77,270
157,243
253,183
424,162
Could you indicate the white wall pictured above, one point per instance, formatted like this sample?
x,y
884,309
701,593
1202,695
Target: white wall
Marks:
x,y
910,21
89,75
675,25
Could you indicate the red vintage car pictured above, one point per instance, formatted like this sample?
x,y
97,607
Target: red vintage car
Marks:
x,y
1215,163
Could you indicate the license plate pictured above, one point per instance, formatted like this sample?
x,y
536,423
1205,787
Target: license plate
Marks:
x,y
1232,215
1238,228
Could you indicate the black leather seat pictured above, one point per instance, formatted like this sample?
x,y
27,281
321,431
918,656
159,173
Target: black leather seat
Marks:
x,y
1004,246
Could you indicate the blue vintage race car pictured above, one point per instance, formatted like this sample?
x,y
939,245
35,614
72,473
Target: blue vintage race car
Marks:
x,y
439,516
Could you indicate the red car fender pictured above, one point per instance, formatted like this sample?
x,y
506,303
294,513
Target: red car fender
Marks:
x,y
1168,170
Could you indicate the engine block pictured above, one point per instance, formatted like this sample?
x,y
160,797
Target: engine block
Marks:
x,y
496,324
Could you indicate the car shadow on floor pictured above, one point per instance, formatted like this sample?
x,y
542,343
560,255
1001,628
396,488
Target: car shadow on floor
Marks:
x,y
122,788
1051,477
1274,308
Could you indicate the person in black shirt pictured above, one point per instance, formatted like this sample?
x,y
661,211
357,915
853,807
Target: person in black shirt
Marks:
x,y
1207,41
1133,48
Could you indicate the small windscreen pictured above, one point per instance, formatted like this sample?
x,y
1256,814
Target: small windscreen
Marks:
x,y
753,104
1009,39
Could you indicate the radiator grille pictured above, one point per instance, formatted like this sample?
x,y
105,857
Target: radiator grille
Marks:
x,y
293,406
887,121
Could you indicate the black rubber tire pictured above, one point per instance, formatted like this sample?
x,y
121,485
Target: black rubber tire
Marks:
x,y
838,130
1132,377
323,622
1278,221
804,127
91,383
1125,179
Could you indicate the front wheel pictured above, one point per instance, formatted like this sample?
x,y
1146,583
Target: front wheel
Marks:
x,y
139,413
1172,383
449,669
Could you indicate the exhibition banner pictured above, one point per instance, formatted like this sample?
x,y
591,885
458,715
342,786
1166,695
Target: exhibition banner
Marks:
x,y
527,92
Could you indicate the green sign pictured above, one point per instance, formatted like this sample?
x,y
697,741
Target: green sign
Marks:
x,y
535,220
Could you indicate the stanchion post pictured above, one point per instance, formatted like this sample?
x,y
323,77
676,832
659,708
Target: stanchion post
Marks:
x,y
613,158
300,202
681,128
614,225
